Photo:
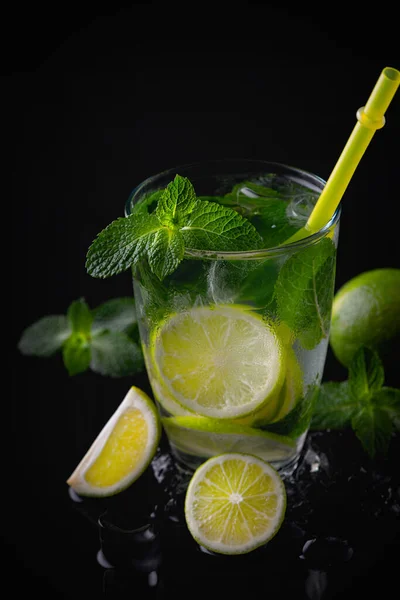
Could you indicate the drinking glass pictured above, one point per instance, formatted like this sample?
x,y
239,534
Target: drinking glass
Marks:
x,y
285,290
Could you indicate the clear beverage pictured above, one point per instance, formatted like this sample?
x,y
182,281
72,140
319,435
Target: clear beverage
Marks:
x,y
225,323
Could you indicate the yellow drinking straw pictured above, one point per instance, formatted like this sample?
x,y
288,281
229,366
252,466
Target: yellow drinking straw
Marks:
x,y
370,118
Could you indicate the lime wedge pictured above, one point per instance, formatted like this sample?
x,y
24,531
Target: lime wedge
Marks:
x,y
205,437
123,449
234,503
221,361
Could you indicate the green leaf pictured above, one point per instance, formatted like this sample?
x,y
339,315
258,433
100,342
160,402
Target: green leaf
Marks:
x,y
45,336
388,399
272,223
154,294
146,203
334,406
304,292
166,252
114,354
177,200
373,427
298,419
80,316
121,245
255,192
366,374
214,227
76,354
118,314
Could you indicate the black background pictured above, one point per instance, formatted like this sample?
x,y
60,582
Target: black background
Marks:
x,y
99,100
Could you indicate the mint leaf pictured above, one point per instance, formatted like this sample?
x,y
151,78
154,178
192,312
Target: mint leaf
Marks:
x,y
371,409
272,222
180,220
45,337
76,354
366,374
334,406
258,284
304,292
146,203
118,314
373,427
254,191
165,252
214,227
388,399
114,354
121,245
267,208
298,419
80,316
177,200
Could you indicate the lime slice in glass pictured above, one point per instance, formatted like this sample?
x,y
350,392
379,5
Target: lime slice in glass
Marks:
x,y
205,437
219,361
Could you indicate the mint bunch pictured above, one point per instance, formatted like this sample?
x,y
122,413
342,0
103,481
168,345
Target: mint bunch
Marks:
x,y
362,402
104,340
179,221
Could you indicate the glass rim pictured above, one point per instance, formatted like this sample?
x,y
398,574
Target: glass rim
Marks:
x,y
246,254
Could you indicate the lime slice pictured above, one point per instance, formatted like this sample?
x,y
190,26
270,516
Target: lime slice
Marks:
x,y
234,503
222,361
289,394
161,393
163,397
123,449
205,437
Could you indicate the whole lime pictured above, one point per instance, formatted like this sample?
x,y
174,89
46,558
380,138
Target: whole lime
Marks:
x,y
366,311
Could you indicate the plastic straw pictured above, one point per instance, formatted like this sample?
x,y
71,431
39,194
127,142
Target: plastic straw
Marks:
x,y
370,118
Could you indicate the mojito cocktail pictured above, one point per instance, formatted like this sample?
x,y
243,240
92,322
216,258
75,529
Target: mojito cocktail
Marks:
x,y
235,341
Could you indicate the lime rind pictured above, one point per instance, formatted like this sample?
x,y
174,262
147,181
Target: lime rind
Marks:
x,y
269,349
290,393
193,495
135,398
164,399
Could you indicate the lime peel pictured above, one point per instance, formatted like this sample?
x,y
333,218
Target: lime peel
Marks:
x,y
366,312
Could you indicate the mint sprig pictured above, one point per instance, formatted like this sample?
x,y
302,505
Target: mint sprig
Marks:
x,y
104,339
362,402
180,221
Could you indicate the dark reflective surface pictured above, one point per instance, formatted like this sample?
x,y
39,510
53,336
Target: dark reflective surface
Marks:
x,y
339,536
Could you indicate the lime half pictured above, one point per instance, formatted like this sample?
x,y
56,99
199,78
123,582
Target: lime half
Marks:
x,y
123,449
222,361
234,503
366,311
